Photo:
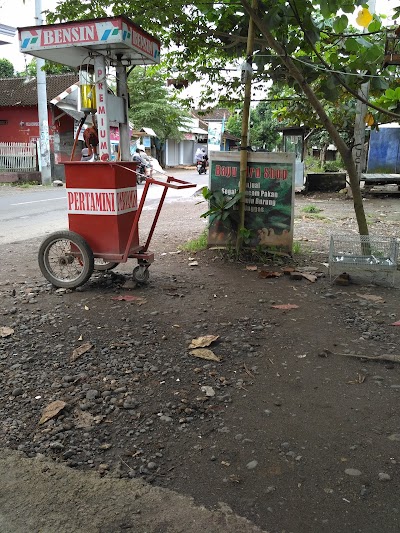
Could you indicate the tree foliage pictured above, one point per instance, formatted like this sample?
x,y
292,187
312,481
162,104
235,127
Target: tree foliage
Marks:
x,y
264,133
263,127
151,105
203,39
50,67
6,68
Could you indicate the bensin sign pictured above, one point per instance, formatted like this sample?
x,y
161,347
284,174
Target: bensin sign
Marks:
x,y
102,201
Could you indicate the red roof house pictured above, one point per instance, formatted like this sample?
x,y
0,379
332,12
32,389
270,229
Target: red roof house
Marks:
x,y
19,120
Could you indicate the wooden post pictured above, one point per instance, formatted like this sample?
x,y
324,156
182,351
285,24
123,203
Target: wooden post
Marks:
x,y
245,130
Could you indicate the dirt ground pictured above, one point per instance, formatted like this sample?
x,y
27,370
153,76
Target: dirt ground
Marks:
x,y
287,429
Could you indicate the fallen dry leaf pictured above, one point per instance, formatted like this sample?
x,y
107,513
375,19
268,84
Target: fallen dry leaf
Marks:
x,y
285,306
309,277
203,353
287,270
202,342
6,331
81,350
129,298
251,267
372,298
269,274
52,410
358,381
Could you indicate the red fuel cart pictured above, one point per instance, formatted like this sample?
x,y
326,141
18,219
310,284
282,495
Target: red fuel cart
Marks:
x,y
104,217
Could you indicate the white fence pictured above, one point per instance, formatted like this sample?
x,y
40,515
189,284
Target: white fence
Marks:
x,y
18,157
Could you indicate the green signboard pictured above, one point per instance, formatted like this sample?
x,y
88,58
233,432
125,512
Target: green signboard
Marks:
x,y
269,201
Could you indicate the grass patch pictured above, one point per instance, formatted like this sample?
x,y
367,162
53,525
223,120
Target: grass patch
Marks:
x,y
197,244
296,248
370,219
311,209
24,184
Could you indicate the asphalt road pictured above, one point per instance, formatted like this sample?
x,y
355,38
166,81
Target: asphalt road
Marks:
x,y
26,213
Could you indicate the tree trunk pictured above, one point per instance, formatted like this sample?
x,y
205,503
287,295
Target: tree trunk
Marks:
x,y
296,74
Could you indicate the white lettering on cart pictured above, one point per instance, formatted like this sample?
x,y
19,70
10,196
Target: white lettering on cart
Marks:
x,y
102,201
102,124
77,34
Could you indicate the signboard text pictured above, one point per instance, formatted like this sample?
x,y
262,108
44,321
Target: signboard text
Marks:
x,y
102,201
69,35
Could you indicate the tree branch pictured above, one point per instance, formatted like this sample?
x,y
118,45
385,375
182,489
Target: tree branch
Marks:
x,y
336,75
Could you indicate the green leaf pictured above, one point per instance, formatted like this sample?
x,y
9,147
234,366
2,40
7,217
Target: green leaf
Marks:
x,y
340,23
351,45
390,94
375,26
363,43
234,200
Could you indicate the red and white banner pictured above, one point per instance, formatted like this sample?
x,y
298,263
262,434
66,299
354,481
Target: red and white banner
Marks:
x,y
102,201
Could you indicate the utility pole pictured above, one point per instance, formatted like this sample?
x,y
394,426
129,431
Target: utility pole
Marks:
x,y
361,111
247,70
44,143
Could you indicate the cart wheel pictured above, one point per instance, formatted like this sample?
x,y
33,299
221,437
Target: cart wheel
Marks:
x,y
141,274
66,259
100,264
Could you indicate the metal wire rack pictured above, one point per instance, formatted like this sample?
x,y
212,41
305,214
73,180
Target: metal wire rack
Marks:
x,y
363,253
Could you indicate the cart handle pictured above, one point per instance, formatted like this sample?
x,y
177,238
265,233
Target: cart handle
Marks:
x,y
182,184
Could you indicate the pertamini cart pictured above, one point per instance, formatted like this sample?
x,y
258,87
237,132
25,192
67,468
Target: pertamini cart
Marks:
x,y
104,215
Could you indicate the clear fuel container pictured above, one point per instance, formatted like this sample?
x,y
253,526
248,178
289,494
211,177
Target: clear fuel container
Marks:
x,y
87,90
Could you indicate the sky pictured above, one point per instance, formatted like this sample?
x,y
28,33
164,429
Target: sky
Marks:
x,y
17,13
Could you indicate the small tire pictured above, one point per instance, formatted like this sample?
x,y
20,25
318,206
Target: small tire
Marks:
x,y
141,274
65,259
100,265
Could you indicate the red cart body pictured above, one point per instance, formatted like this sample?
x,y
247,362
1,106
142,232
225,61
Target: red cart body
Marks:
x,y
102,203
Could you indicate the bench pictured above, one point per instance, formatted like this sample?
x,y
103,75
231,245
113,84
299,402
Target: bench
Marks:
x,y
363,253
